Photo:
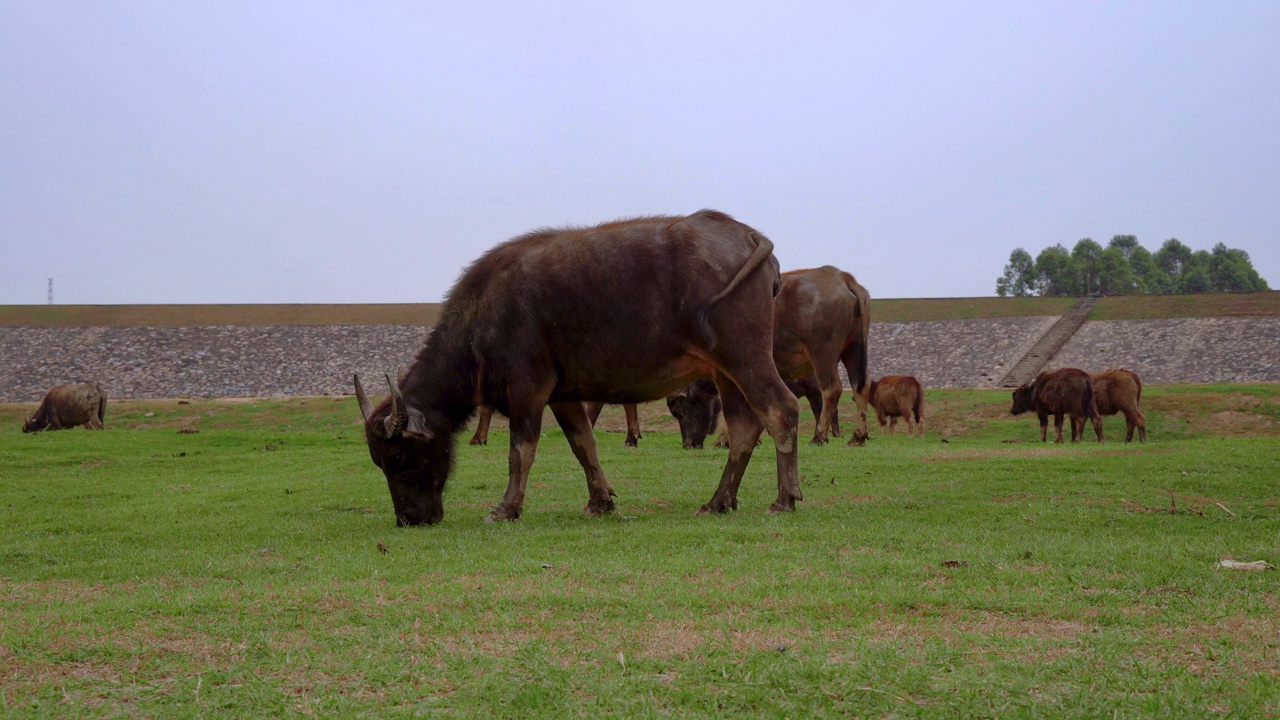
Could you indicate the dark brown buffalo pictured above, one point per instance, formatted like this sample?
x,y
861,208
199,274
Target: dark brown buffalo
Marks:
x,y
822,317
1120,391
67,406
1055,392
898,396
624,312
696,407
485,416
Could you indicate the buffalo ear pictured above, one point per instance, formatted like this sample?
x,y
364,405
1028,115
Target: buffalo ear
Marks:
x,y
416,427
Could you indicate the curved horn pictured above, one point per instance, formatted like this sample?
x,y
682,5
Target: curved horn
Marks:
x,y
366,407
399,416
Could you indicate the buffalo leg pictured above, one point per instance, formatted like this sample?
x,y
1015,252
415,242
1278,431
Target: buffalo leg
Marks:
x,y
593,411
633,425
526,427
1134,418
481,437
1097,427
859,398
1057,427
911,426
576,423
777,409
814,396
742,428
893,425
829,381
1044,426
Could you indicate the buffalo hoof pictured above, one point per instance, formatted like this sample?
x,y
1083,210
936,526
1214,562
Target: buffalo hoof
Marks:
x,y
718,506
631,442
818,440
721,443
780,506
502,513
475,440
595,508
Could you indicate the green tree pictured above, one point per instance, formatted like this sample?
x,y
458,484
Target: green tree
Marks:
x,y
1115,276
1146,273
1087,255
1195,276
1124,267
1056,272
1231,270
1019,275
1171,259
1126,244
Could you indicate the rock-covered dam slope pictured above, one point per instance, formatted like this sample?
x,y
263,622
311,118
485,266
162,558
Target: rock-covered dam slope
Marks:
x,y
293,360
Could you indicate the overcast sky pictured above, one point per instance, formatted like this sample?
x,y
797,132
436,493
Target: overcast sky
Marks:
x,y
272,152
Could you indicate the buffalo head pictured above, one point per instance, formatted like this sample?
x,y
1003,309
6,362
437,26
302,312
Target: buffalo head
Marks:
x,y
1024,399
696,407
415,459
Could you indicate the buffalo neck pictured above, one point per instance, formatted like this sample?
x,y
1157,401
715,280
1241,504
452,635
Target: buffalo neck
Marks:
x,y
441,382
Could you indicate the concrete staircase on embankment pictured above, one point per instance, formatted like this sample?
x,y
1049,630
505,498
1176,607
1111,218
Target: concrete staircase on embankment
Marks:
x,y
1030,364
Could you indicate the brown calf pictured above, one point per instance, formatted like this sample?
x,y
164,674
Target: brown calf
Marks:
x,y
898,396
1055,392
1120,391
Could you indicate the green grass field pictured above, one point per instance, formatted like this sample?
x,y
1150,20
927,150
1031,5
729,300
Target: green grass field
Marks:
x,y
252,568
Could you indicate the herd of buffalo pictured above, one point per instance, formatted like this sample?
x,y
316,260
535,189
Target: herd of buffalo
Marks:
x,y
693,309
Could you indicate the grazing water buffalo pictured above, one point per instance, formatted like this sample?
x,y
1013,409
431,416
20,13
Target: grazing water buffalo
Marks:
x,y
1055,392
822,317
1120,391
485,416
696,407
67,406
624,312
898,396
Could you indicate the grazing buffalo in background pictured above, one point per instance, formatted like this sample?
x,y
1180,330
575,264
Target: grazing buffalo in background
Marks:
x,y
1120,391
821,318
696,407
898,396
67,406
624,312
485,416
1055,392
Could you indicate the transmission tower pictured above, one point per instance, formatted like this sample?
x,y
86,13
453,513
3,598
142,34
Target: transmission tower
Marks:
x,y
50,291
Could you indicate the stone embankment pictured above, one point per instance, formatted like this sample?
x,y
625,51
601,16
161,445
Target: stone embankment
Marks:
x,y
230,361
265,361
1179,351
